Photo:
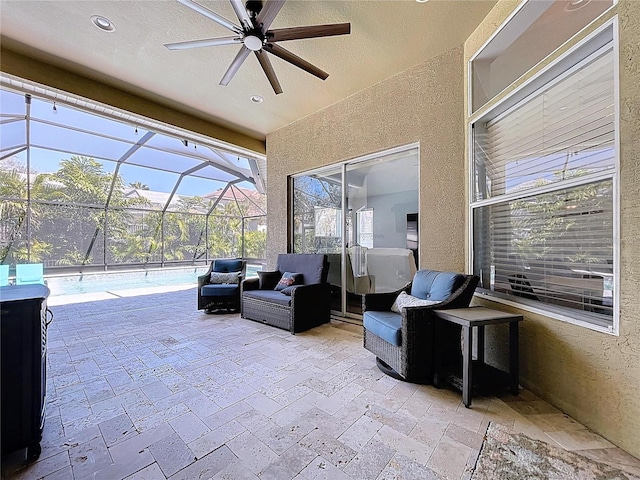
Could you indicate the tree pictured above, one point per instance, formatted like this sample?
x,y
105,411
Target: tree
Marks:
x,y
139,186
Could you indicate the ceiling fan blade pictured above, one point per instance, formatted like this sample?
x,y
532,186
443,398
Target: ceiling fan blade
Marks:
x,y
268,13
235,65
312,31
293,59
265,63
241,13
207,42
211,15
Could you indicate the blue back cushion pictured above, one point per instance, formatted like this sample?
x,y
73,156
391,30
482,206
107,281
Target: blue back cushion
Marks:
x,y
435,286
227,265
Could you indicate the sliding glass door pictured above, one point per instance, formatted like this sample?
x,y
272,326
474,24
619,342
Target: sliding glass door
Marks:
x,y
362,214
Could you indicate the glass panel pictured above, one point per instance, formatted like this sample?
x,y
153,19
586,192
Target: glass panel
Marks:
x,y
67,235
547,24
555,248
134,236
382,192
317,207
565,131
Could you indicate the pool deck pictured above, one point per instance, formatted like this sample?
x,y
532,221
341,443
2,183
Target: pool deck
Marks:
x,y
56,300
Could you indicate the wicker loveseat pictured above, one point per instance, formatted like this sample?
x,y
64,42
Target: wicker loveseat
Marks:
x,y
403,342
308,303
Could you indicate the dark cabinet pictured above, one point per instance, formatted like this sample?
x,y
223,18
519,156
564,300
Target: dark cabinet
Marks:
x,y
23,338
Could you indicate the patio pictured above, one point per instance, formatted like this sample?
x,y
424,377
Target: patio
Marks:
x,y
147,387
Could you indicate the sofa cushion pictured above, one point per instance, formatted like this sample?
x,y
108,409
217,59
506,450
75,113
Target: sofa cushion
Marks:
x,y
225,265
405,300
288,279
268,280
313,267
269,296
386,325
219,290
436,286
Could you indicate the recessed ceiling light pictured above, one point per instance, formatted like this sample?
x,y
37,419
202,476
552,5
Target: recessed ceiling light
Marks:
x,y
422,1
257,99
103,23
576,4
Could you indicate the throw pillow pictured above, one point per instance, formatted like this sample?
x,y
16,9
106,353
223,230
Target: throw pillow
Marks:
x,y
268,280
406,300
289,290
218,278
288,279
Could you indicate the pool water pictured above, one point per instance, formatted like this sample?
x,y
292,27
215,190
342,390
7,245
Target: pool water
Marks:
x,y
126,280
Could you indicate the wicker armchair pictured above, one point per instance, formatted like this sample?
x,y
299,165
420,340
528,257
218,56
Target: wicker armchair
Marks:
x,y
403,343
215,296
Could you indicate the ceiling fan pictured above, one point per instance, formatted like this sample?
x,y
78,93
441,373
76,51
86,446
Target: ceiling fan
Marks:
x,y
254,35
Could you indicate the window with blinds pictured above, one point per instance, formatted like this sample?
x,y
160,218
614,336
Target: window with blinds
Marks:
x,y
544,173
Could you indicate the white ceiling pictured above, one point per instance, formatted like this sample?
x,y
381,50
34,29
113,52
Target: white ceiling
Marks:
x,y
386,37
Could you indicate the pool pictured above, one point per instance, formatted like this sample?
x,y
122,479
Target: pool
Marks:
x,y
94,282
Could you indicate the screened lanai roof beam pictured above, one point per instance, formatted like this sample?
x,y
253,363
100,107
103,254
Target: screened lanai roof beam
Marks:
x,y
179,181
250,200
134,148
13,152
221,196
242,173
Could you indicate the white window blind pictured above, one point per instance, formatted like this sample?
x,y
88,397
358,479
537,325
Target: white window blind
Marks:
x,y
543,195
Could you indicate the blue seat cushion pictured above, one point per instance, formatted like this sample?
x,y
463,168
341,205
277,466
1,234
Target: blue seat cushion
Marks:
x,y
435,286
386,325
226,265
220,290
271,296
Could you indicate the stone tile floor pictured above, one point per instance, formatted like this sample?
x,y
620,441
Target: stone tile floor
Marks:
x,y
146,387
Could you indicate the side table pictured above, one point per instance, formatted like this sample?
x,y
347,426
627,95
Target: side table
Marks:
x,y
478,317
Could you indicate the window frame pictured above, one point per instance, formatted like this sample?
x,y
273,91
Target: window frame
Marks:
x,y
540,80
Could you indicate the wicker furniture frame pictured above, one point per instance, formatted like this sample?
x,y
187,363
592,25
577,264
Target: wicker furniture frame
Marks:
x,y
413,360
219,302
309,305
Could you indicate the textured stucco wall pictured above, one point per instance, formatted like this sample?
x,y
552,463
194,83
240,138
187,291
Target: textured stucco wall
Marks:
x,y
592,376
420,105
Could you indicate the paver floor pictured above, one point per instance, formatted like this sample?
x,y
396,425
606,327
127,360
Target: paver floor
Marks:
x,y
147,387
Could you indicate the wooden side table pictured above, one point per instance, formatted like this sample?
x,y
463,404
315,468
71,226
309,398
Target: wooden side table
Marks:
x,y
478,317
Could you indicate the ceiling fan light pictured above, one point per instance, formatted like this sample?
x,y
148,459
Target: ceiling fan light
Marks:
x,y
253,43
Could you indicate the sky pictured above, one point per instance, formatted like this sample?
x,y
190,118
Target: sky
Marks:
x,y
52,142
